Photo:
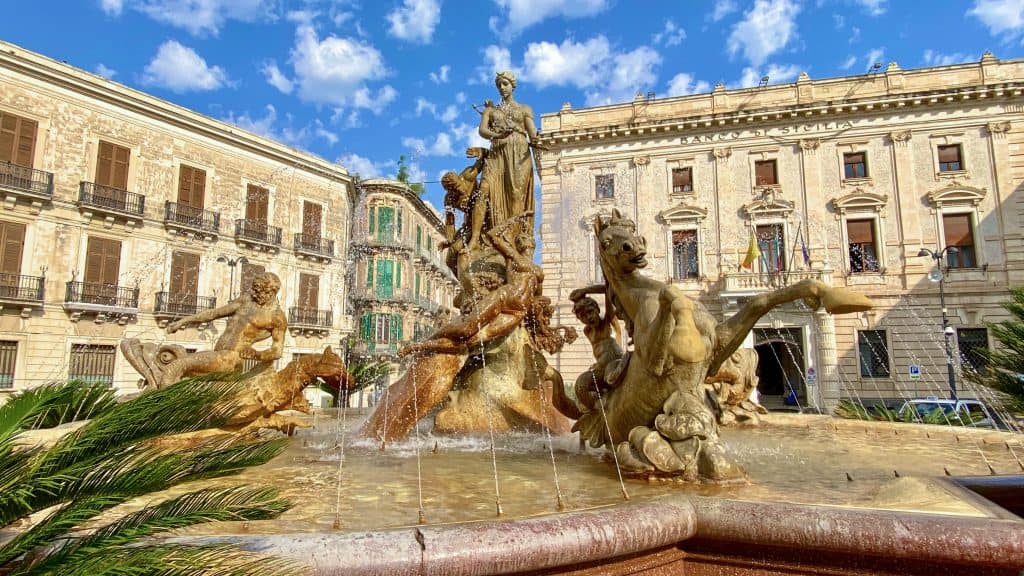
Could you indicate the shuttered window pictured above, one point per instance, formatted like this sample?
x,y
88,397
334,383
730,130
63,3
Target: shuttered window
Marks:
x,y
184,274
92,363
8,360
959,233
950,158
257,202
249,273
684,254
102,260
873,349
863,253
17,139
191,186
312,216
12,244
309,291
682,180
765,173
855,165
112,165
771,243
604,186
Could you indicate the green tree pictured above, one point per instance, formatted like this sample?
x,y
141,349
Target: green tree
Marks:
x,y
111,459
1005,363
403,176
360,374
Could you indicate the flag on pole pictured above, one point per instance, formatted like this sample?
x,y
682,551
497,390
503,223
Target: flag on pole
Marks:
x,y
753,252
807,253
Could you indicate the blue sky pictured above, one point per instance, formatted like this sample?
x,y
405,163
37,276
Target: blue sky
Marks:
x,y
362,82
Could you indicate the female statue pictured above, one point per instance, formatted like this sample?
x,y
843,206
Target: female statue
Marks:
x,y
507,180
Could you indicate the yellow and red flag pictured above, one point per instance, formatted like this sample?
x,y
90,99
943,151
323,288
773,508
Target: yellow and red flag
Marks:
x,y
753,253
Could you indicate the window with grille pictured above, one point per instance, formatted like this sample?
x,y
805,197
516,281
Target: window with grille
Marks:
x,y
684,255
950,158
855,165
8,358
604,186
92,363
873,350
959,233
972,344
863,252
772,245
765,173
682,180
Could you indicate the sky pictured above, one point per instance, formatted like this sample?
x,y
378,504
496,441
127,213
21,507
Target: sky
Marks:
x,y
362,82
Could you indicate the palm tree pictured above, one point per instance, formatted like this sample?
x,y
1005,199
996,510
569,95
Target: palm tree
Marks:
x,y
110,460
1005,365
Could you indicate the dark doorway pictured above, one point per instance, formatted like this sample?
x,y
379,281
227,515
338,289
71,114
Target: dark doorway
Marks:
x,y
780,363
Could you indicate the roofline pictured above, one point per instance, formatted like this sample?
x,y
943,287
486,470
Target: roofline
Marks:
x,y
402,188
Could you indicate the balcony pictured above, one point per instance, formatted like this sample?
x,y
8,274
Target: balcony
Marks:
x,y
172,305
258,235
24,292
426,304
309,320
314,247
383,242
111,203
189,220
104,300
379,349
750,283
16,182
382,294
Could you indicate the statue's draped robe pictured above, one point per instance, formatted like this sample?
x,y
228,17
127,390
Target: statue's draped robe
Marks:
x,y
508,173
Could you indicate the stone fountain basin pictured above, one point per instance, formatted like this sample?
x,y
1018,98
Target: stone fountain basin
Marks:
x,y
919,522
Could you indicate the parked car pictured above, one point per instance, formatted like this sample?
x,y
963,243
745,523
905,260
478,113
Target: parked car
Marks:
x,y
963,412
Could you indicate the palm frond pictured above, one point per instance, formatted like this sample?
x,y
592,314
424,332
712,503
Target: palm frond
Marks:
x,y
56,525
52,405
172,560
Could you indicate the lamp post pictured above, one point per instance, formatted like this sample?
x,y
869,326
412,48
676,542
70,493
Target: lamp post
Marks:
x,y
232,262
947,330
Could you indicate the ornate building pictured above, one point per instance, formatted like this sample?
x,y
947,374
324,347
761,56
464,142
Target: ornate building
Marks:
x,y
122,212
845,180
400,287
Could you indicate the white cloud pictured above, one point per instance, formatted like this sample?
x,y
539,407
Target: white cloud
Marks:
x,y
571,62
441,76
361,165
848,63
838,21
102,70
671,35
854,34
266,126
683,84
415,20
440,146
460,97
722,9
496,59
275,78
776,73
335,70
933,58
1001,17
424,105
449,114
764,30
469,136
197,16
631,72
876,56
521,14
874,7
180,69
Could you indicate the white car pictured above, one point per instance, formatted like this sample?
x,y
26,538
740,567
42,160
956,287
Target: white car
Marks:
x,y
972,413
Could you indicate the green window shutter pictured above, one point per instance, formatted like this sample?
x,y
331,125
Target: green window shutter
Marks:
x,y
364,329
398,275
417,293
396,327
373,210
385,223
419,238
369,273
400,222
430,242
385,277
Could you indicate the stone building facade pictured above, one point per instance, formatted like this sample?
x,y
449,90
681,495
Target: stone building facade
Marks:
x,y
844,180
122,212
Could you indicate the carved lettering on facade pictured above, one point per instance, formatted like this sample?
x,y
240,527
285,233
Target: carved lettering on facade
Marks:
x,y
816,127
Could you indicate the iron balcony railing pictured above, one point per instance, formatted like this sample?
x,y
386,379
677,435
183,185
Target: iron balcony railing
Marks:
x,y
25,179
189,217
25,288
310,317
178,304
111,199
382,294
386,241
314,244
364,348
102,294
256,231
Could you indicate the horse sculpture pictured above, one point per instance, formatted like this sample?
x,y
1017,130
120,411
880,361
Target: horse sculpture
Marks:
x,y
661,418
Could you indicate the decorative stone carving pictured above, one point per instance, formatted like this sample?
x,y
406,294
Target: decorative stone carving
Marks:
x,y
734,384
998,129
641,161
860,201
901,137
956,194
722,153
810,144
564,166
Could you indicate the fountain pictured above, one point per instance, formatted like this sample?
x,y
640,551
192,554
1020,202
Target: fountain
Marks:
x,y
466,466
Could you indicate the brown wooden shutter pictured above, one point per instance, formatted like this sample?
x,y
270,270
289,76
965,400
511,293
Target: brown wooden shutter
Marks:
x,y
12,243
957,228
860,231
309,291
249,273
184,273
684,236
102,260
191,186
17,139
312,214
682,179
256,203
112,165
949,153
764,173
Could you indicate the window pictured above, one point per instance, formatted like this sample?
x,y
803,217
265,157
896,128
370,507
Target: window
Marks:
x,y
381,328
102,270
765,173
855,165
682,180
958,233
191,186
598,271
385,287
312,217
17,139
12,244
419,238
874,353
863,254
684,255
950,159
972,344
92,363
604,186
257,203
771,243
385,224
184,285
112,166
309,291
8,357
249,273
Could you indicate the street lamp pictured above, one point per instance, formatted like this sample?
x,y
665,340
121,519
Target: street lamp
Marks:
x,y
232,262
947,330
